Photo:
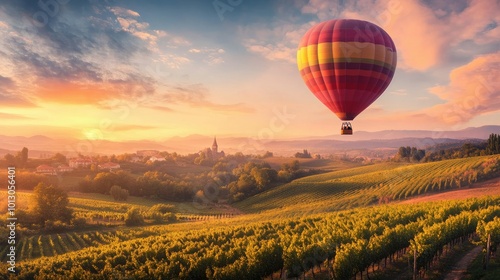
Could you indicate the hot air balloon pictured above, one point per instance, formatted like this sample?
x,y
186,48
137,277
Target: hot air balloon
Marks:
x,y
347,64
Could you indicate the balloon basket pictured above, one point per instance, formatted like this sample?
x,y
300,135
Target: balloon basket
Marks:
x,y
346,129
346,132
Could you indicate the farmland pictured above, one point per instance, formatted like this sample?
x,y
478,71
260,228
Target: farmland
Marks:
x,y
294,246
310,226
373,184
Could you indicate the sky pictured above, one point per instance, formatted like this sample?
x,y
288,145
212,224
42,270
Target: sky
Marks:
x,y
133,70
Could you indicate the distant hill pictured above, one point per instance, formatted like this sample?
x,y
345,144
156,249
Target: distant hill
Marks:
x,y
362,140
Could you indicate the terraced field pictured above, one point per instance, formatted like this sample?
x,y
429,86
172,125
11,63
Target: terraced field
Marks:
x,y
373,184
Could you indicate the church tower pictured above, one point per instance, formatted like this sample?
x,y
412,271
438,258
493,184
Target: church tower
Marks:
x,y
215,147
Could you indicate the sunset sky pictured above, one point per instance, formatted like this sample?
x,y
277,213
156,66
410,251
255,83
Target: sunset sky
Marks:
x,y
131,70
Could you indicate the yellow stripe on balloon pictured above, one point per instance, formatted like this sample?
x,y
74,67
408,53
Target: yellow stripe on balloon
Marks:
x,y
345,52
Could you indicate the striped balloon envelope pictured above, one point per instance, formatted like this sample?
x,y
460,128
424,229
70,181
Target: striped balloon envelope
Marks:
x,y
347,64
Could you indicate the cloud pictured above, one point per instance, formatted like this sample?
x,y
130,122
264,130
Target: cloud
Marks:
x,y
197,96
273,52
119,11
6,83
128,127
69,92
278,43
426,33
474,89
8,98
13,116
174,61
211,56
322,9
399,92
162,108
82,55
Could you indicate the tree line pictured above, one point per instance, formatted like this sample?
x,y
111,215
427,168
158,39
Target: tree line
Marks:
x,y
229,181
412,154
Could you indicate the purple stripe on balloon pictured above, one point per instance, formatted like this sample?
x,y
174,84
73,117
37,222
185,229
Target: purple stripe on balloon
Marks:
x,y
352,65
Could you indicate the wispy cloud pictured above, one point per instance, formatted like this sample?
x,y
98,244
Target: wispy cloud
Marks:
x,y
399,92
13,116
129,127
197,96
274,43
8,97
211,56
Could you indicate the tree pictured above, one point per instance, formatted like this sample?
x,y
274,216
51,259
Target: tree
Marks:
x,y
304,154
493,144
60,158
24,156
50,204
148,184
291,167
10,159
246,183
118,193
264,176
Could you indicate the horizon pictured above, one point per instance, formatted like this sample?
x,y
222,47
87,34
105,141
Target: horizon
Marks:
x,y
42,145
159,70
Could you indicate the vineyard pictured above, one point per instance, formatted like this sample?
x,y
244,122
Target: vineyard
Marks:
x,y
340,244
373,184
49,245
335,225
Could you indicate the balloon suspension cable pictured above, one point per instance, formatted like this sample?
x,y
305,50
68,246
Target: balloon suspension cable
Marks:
x,y
346,128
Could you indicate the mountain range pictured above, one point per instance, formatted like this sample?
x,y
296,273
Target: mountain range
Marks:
x,y
41,146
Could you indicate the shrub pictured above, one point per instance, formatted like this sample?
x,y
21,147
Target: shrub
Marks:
x,y
134,217
118,193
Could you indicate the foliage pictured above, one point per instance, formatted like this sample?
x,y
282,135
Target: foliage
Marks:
x,y
493,144
410,154
470,149
118,193
28,180
50,204
372,184
304,154
134,217
19,160
345,243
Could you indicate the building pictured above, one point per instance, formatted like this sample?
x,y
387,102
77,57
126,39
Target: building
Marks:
x,y
108,166
80,162
64,168
136,159
214,153
157,158
46,169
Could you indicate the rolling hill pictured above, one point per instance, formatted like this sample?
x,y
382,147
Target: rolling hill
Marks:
x,y
372,184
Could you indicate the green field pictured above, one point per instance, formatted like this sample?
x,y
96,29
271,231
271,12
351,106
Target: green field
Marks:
x,y
341,221
345,242
372,184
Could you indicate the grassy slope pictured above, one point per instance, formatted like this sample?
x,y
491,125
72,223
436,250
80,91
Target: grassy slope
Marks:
x,y
362,186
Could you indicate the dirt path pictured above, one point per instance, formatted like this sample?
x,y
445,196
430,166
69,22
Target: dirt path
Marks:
x,y
458,270
490,187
